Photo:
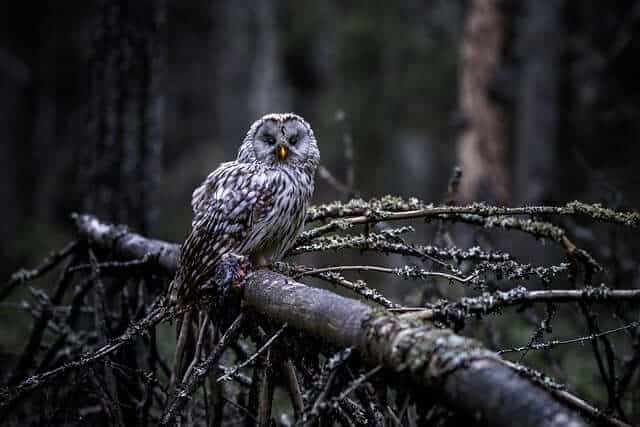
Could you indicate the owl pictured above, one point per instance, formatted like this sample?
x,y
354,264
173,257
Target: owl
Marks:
x,y
253,206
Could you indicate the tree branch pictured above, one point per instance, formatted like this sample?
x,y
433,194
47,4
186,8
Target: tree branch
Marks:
x,y
126,244
468,377
9,397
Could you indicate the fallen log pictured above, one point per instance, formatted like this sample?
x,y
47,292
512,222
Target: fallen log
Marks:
x,y
460,371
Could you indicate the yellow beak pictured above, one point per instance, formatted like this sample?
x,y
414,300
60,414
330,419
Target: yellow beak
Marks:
x,y
282,152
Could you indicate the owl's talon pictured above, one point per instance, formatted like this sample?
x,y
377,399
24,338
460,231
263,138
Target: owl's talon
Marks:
x,y
228,280
242,272
231,272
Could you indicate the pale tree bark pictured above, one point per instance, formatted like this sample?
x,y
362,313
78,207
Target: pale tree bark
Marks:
x,y
482,145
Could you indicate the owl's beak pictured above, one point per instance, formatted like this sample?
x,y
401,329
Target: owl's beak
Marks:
x,y
282,153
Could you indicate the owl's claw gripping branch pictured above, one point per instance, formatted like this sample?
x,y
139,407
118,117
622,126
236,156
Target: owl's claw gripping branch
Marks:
x,y
231,271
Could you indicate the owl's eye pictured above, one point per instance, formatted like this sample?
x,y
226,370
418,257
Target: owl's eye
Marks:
x,y
269,139
293,140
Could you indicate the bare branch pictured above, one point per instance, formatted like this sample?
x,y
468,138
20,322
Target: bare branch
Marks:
x,y
404,272
125,243
232,371
186,390
555,343
8,397
489,302
414,208
25,276
459,369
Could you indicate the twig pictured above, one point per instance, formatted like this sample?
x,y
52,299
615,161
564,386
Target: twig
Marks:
x,y
555,343
359,286
544,326
80,291
323,386
401,272
186,389
50,262
101,324
583,406
358,382
9,397
491,216
239,377
455,313
230,373
414,208
262,386
109,266
293,386
202,329
608,374
382,242
31,350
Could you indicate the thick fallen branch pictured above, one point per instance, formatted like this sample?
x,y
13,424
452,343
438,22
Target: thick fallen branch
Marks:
x,y
468,377
126,244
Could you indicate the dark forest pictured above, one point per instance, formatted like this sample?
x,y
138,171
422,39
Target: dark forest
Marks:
x,y
470,254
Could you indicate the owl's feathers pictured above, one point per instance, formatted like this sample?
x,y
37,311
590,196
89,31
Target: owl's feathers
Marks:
x,y
253,206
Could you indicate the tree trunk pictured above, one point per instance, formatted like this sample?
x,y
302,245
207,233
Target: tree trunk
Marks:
x,y
537,106
482,146
123,151
15,82
123,158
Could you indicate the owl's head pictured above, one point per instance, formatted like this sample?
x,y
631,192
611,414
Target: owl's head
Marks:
x,y
280,139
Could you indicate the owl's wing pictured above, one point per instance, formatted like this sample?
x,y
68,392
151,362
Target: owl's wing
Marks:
x,y
226,206
204,193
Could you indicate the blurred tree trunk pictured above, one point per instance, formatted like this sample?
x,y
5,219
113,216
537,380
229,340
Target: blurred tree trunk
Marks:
x,y
123,151
541,42
122,169
482,146
15,84
268,90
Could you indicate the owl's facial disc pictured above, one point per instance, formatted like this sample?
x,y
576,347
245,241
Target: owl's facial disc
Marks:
x,y
266,141
295,140
283,140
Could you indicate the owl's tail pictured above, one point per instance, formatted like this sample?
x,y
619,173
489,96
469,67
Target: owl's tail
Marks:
x,y
184,335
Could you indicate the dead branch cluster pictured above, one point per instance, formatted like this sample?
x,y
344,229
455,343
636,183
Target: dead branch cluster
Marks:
x,y
98,340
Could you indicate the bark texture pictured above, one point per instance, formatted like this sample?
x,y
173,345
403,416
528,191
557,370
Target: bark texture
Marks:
x,y
123,150
482,145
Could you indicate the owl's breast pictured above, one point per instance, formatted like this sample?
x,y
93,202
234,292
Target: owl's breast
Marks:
x,y
283,224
